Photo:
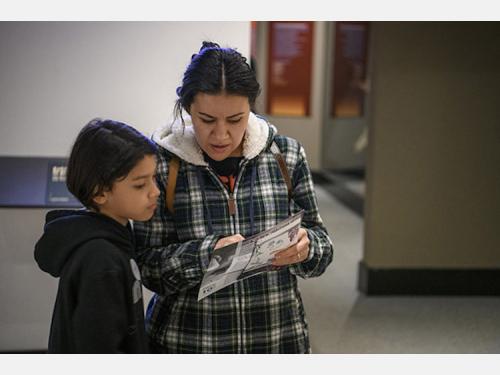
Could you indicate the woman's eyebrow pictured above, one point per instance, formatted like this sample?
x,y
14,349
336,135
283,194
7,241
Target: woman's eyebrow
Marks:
x,y
236,114
205,114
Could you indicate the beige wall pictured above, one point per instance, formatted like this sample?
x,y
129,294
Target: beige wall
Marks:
x,y
433,172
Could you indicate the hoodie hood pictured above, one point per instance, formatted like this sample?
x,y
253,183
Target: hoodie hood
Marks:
x,y
179,139
65,231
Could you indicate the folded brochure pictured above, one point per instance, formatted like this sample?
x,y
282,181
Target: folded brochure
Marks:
x,y
250,256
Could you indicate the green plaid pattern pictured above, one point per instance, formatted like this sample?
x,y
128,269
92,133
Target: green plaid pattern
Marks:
x,y
261,314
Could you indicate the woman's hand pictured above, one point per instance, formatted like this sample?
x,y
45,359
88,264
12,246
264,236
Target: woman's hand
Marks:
x,y
296,253
228,240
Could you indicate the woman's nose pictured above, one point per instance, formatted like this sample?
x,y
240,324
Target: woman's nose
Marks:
x,y
220,130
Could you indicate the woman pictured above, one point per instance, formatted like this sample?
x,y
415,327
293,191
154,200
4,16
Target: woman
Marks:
x,y
229,186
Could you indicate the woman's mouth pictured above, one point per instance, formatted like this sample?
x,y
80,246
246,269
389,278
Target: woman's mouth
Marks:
x,y
219,148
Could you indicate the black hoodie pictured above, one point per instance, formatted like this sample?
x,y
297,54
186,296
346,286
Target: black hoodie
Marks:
x,y
99,307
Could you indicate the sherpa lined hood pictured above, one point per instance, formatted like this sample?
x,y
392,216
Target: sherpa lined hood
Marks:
x,y
180,140
66,230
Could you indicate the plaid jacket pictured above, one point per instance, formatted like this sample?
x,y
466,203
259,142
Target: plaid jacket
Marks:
x,y
261,314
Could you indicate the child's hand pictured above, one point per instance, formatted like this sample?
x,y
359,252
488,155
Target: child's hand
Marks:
x,y
228,240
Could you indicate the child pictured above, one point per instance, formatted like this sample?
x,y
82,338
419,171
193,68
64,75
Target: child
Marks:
x,y
99,307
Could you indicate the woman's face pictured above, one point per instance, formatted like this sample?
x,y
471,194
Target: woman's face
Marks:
x,y
220,122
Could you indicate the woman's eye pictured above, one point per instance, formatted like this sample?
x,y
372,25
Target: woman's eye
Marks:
x,y
234,121
206,121
139,187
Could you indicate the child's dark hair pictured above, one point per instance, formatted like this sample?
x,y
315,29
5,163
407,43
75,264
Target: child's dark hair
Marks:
x,y
104,151
214,70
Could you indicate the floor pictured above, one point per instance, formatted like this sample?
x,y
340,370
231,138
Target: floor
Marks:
x,y
342,320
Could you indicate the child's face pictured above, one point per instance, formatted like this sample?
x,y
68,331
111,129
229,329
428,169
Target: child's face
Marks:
x,y
135,196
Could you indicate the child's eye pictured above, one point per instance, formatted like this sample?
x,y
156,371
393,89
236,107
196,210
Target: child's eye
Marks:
x,y
139,187
206,121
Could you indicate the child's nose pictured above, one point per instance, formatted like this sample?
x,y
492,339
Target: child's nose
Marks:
x,y
156,191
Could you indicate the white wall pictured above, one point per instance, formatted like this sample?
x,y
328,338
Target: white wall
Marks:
x,y
56,76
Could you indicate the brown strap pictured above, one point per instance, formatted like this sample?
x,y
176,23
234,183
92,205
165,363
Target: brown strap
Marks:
x,y
173,169
284,170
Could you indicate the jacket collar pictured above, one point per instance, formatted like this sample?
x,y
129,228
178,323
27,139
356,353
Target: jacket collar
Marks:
x,y
181,140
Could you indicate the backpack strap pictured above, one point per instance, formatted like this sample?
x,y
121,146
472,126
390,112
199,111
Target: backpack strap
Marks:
x,y
173,169
284,170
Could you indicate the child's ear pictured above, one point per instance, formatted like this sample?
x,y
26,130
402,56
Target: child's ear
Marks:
x,y
101,198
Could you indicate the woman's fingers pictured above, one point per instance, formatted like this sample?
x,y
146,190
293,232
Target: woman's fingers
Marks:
x,y
296,253
229,240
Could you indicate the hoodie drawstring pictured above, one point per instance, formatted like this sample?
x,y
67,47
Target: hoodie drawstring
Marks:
x,y
252,184
204,198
